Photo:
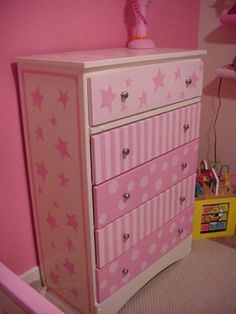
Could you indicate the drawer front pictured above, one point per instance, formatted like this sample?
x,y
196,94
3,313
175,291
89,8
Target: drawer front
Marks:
x,y
117,273
121,149
125,232
121,194
118,93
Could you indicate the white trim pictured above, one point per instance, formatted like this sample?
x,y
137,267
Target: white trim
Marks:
x,y
31,275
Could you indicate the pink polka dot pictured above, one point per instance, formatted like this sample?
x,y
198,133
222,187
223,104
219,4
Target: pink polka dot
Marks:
x,y
113,187
130,186
103,284
159,235
143,265
153,168
164,166
186,151
152,248
175,160
122,204
113,267
158,184
135,255
102,218
144,181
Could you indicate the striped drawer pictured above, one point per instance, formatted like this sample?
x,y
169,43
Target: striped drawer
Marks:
x,y
125,232
121,149
121,194
118,93
117,273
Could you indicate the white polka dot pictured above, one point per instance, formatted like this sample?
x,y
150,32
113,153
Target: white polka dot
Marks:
x,y
143,265
152,248
175,161
159,235
144,197
126,278
113,288
135,255
158,184
102,218
186,151
113,187
122,204
174,178
164,248
172,227
130,186
182,219
153,168
113,267
173,241
103,284
144,181
164,166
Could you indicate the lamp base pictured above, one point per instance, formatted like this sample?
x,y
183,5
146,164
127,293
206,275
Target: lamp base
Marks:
x,y
141,44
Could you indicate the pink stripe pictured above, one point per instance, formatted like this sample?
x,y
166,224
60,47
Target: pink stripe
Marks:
x,y
113,164
103,159
122,145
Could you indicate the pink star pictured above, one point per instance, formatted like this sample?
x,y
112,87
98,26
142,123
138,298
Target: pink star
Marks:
x,y
63,98
62,148
70,245
53,120
143,99
128,82
69,266
194,80
158,80
177,74
64,181
71,221
39,133
107,98
54,278
51,220
37,98
74,292
42,171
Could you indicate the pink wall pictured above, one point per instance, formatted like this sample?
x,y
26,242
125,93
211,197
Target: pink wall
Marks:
x,y
33,26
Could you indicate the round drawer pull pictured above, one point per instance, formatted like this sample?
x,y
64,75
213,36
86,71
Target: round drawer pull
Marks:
x,y
182,199
180,231
124,94
126,236
186,127
126,196
184,165
125,152
188,82
125,271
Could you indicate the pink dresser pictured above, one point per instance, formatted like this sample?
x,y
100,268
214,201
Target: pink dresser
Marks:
x,y
111,141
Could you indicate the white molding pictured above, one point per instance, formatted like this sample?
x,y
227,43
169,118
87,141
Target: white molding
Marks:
x,y
31,275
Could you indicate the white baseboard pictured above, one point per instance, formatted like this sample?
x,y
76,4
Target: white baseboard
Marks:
x,y
31,275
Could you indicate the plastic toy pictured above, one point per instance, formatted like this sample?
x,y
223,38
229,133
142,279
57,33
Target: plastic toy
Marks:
x,y
141,38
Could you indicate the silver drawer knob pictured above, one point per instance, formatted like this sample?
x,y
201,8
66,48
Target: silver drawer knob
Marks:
x,y
126,236
125,271
126,196
124,95
182,199
125,152
186,127
188,82
180,231
184,165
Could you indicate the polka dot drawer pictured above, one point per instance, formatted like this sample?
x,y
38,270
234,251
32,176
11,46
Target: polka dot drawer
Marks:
x,y
111,139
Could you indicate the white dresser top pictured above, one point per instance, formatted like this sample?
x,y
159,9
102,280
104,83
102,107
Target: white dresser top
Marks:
x,y
88,59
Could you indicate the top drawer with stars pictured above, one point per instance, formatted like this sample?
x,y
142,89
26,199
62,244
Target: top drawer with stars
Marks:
x,y
118,93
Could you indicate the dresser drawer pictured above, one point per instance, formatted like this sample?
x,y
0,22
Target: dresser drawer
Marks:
x,y
118,93
121,149
121,194
117,273
125,232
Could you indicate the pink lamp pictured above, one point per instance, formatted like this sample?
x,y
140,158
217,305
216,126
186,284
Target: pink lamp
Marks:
x,y
141,38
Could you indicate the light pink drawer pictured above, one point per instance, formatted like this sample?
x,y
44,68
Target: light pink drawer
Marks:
x,y
117,273
143,88
121,194
125,232
121,149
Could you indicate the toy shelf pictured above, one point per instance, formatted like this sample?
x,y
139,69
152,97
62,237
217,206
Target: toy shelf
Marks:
x,y
228,72
228,19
